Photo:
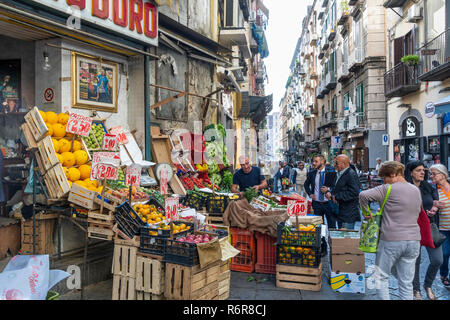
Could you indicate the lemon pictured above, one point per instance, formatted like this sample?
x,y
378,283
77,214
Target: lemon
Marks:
x,y
85,171
52,117
63,118
55,144
68,159
50,129
81,157
74,174
59,130
76,145
81,183
60,158
64,145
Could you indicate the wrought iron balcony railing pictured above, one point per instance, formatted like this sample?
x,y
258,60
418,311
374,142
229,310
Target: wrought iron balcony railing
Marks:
x,y
401,80
435,58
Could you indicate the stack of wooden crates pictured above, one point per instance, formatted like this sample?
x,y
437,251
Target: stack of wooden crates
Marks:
x,y
44,226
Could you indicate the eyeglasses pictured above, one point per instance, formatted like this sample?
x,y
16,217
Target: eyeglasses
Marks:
x,y
435,174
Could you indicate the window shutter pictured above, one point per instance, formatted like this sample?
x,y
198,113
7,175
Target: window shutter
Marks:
x,y
398,50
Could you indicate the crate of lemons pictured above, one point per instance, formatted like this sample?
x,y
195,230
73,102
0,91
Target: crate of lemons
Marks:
x,y
75,160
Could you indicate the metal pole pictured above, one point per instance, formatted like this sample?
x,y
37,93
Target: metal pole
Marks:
x,y
34,205
148,137
84,281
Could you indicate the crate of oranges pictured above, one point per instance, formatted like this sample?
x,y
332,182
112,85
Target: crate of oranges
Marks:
x,y
149,213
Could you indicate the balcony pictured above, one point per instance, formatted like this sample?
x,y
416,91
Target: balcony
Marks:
x,y
331,80
319,94
321,55
356,59
345,74
330,118
324,3
230,36
394,3
343,13
313,40
323,88
400,81
357,121
331,34
325,45
342,125
435,58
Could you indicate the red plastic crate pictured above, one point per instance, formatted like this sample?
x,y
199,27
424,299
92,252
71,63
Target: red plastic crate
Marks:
x,y
243,240
266,253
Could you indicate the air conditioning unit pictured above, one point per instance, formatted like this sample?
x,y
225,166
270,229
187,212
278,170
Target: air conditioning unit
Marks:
x,y
415,13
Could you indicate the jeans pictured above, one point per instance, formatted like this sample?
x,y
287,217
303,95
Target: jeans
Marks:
x,y
346,225
435,255
445,253
400,256
276,180
323,209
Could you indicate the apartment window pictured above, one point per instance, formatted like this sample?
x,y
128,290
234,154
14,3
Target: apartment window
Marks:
x,y
404,46
233,14
360,98
437,17
332,67
334,104
347,102
333,16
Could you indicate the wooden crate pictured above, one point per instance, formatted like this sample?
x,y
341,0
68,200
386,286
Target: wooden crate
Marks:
x,y
192,283
123,288
56,182
300,278
124,260
29,137
95,216
83,197
36,124
224,280
102,232
150,275
47,153
113,200
211,219
44,234
140,295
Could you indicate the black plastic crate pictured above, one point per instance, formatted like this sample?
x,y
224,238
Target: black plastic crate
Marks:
x,y
156,203
299,238
128,220
182,253
150,243
195,201
216,204
298,256
166,233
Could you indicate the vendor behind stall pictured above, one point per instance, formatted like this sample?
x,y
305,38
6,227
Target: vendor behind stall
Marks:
x,y
248,177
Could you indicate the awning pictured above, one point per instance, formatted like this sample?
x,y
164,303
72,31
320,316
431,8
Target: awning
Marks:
x,y
355,135
442,106
260,38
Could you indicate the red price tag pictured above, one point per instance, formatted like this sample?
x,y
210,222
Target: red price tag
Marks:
x,y
297,208
109,142
171,209
120,133
78,124
105,165
133,176
163,182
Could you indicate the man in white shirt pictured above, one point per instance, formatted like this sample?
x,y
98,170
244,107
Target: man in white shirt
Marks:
x,y
378,166
300,178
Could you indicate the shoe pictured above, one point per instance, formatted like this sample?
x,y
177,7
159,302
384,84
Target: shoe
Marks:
x,y
417,295
445,281
430,293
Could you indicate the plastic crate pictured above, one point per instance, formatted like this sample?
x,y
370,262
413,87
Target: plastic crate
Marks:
x,y
151,244
299,238
298,256
156,203
128,220
216,204
182,253
266,253
243,240
166,233
194,200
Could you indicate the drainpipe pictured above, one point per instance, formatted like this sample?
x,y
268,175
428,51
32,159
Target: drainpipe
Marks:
x,y
148,137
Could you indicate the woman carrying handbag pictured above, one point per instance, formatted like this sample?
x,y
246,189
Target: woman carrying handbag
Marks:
x,y
415,174
399,242
439,176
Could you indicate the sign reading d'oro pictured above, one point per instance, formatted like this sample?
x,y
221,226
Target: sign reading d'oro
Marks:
x,y
137,19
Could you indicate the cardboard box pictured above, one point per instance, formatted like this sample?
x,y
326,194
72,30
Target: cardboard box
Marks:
x,y
348,282
344,242
352,263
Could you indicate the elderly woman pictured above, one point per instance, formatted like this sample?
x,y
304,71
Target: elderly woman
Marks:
x,y
399,244
439,176
415,174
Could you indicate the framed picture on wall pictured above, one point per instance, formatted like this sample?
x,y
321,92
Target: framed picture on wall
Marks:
x,y
10,95
94,83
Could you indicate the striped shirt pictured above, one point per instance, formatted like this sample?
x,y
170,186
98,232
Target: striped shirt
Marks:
x,y
444,214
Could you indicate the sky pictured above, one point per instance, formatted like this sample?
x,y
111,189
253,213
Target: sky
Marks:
x,y
283,31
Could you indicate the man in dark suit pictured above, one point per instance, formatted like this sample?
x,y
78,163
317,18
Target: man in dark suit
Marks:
x,y
345,193
315,181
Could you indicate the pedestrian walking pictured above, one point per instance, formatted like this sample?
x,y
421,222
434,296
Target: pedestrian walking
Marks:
x,y
399,244
378,166
316,179
439,176
415,174
285,176
277,177
300,175
345,193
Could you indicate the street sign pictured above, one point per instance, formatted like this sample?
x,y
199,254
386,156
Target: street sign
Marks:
x,y
105,165
133,175
336,142
297,208
78,124
110,142
385,139
171,209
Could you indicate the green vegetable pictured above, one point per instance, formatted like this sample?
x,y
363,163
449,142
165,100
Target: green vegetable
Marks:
x,y
227,181
250,193
216,178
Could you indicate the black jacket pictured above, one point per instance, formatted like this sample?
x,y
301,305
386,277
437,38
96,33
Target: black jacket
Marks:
x,y
346,191
286,172
310,183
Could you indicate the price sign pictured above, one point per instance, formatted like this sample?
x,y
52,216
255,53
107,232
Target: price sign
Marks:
x,y
120,133
105,165
296,208
171,209
110,142
78,124
163,182
133,175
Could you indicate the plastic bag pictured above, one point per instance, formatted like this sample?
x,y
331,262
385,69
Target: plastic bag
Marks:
x,y
27,277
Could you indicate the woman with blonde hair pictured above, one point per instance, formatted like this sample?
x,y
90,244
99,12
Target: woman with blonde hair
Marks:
x,y
439,176
399,244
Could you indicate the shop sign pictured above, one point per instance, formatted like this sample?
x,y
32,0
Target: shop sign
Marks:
x,y
120,133
133,175
78,124
385,139
429,110
137,19
171,209
410,127
109,142
297,208
336,142
105,165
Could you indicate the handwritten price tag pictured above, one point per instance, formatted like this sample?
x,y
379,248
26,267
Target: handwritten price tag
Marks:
x,y
110,142
171,209
78,124
163,182
296,208
133,176
105,165
120,133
